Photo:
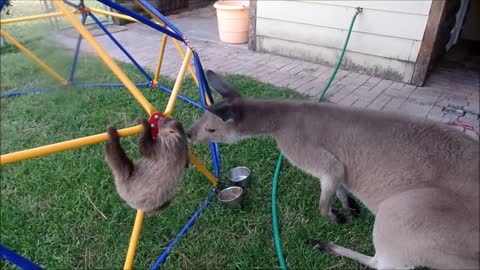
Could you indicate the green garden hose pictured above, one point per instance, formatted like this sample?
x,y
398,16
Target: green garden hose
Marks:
x,y
276,230
276,176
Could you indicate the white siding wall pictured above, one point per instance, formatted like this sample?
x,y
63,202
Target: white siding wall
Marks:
x,y
385,40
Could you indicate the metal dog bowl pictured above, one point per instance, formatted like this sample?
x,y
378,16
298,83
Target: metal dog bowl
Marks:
x,y
239,176
231,196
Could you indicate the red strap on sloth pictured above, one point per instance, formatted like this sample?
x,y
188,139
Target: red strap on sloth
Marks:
x,y
153,120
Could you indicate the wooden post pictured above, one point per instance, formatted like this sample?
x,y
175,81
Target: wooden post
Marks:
x,y
428,43
252,40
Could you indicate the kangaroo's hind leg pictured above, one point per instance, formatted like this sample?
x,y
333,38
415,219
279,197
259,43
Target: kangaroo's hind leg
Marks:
x,y
117,159
427,227
337,250
348,202
419,228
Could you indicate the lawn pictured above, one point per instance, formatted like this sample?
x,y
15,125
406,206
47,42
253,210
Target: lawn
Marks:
x,y
34,30
62,211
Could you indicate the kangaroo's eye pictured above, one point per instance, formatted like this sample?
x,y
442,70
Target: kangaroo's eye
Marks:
x,y
211,130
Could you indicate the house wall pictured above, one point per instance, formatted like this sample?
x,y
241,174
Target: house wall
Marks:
x,y
385,41
192,4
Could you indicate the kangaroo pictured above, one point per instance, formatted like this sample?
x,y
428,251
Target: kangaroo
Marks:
x,y
419,178
149,183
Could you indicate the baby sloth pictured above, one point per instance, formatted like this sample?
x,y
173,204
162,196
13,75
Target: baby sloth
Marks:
x,y
150,183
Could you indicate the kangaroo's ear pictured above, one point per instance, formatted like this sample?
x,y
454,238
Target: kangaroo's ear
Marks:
x,y
217,83
227,111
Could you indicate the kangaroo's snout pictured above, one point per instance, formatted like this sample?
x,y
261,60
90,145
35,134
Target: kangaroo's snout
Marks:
x,y
192,135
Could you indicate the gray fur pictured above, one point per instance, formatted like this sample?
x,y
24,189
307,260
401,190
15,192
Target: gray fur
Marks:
x,y
150,183
420,178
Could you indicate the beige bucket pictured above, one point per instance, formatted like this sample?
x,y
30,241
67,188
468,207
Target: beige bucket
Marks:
x,y
233,22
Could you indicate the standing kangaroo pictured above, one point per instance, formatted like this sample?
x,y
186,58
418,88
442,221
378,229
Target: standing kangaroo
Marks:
x,y
419,178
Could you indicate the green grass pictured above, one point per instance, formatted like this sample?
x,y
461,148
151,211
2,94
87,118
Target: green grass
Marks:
x,y
28,32
62,211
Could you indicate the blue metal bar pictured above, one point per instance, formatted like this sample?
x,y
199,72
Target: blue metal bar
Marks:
x,y
140,18
71,4
215,154
22,92
201,84
13,257
216,169
2,3
218,156
35,91
86,85
140,68
155,12
202,81
201,75
107,84
77,51
205,90
181,97
161,259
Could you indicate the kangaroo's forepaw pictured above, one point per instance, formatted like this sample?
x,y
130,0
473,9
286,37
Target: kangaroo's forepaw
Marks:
x,y
337,217
320,245
353,207
354,213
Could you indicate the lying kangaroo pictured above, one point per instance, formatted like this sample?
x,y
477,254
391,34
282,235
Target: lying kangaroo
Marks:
x,y
419,178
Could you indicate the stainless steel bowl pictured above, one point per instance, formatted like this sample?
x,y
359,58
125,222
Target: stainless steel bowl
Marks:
x,y
239,176
231,196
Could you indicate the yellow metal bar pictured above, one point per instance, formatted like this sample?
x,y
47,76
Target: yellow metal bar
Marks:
x,y
33,17
113,14
160,57
33,57
137,228
194,160
105,57
177,45
63,146
182,54
190,69
164,40
178,84
176,88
